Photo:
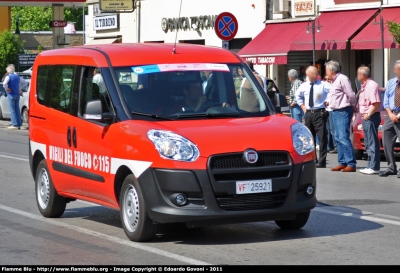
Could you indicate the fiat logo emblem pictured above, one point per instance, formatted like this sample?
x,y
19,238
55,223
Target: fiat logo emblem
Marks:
x,y
250,156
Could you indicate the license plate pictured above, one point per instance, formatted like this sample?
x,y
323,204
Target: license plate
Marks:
x,y
254,186
397,140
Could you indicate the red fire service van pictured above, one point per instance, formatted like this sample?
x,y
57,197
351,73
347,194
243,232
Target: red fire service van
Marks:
x,y
165,135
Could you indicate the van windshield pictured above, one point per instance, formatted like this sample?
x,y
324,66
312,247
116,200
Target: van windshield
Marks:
x,y
197,90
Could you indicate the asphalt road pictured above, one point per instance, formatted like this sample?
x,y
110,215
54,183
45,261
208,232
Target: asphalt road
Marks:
x,y
357,222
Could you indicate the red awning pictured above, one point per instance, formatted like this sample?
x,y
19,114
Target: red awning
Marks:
x,y
336,29
370,36
273,43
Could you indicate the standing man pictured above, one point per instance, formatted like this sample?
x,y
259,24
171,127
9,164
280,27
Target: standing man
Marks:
x,y
342,101
391,128
311,96
369,103
295,110
98,79
13,84
259,78
332,144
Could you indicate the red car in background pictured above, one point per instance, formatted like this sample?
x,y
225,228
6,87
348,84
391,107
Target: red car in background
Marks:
x,y
358,133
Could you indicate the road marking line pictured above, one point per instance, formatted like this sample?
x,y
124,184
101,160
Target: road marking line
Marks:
x,y
113,239
380,220
364,215
13,157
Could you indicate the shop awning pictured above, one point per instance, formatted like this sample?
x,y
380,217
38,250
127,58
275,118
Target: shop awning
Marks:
x,y
102,41
273,43
370,36
336,29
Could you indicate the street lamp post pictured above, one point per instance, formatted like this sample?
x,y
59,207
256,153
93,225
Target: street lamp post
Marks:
x,y
382,28
313,27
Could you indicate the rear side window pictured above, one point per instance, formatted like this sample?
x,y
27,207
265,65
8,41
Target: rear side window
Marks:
x,y
54,86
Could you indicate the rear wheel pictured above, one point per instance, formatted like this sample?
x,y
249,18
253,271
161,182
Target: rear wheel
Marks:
x,y
24,115
359,154
136,222
297,223
49,202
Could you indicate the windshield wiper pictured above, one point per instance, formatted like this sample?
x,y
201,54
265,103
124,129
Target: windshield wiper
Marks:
x,y
151,116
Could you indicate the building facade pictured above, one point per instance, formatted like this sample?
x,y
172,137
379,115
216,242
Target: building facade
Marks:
x,y
345,30
276,37
158,21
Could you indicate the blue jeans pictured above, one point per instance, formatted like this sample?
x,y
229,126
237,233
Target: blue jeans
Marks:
x,y
297,113
371,141
331,132
342,121
13,104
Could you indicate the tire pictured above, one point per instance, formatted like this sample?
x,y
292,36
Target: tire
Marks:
x,y
24,115
136,222
359,154
297,223
1,114
49,202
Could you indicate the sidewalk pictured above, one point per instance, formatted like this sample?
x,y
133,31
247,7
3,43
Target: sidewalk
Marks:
x,y
5,123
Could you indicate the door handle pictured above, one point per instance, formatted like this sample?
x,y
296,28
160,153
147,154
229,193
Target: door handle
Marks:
x,y
69,136
74,137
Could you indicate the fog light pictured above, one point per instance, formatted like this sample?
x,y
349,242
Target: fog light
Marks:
x,y
310,190
179,199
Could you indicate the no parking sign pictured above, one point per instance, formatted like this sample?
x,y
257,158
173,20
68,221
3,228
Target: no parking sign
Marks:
x,y
226,26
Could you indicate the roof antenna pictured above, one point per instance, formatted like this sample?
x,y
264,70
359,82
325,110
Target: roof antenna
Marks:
x,y
177,29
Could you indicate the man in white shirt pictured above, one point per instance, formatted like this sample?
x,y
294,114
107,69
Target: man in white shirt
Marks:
x,y
311,96
98,79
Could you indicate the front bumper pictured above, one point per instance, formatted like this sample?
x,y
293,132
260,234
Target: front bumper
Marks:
x,y
212,196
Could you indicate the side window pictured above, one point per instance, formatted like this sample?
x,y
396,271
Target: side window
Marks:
x,y
90,90
42,84
61,88
54,86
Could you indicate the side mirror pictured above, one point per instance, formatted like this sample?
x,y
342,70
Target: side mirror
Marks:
x,y
281,104
93,110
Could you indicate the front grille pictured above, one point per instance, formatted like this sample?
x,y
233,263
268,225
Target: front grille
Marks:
x,y
251,175
252,201
235,161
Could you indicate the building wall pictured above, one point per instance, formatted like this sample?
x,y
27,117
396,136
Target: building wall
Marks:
x,y
126,21
151,13
250,19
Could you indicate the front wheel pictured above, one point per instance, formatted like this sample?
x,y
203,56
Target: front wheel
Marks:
x,y
297,223
136,222
49,202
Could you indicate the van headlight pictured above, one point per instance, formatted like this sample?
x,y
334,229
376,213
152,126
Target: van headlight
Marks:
x,y
360,127
380,127
173,146
303,141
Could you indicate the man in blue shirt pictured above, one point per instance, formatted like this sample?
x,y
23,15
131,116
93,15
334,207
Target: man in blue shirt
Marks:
x,y
13,84
391,127
311,96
